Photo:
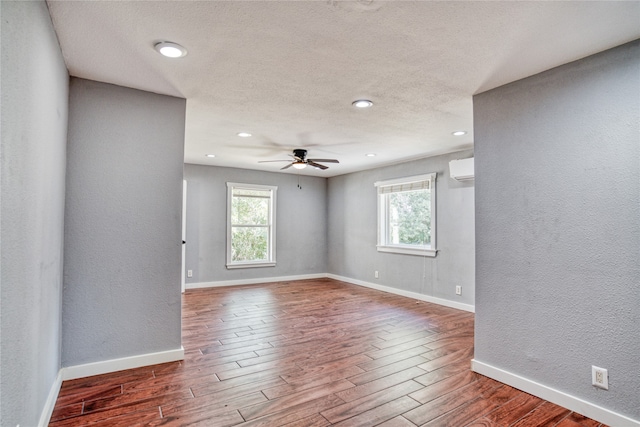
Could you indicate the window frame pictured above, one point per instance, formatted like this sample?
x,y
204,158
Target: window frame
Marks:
x,y
383,244
271,226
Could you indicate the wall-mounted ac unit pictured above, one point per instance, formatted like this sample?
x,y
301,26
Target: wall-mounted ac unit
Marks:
x,y
461,170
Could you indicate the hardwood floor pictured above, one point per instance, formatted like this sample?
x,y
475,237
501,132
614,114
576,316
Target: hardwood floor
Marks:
x,y
310,353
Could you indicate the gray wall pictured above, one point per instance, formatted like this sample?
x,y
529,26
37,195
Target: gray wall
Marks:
x,y
34,91
558,227
352,205
122,223
301,224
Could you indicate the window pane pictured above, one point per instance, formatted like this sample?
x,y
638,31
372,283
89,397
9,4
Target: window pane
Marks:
x,y
409,218
249,243
249,211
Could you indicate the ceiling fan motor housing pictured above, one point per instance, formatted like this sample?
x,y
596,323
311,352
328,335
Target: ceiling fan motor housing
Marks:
x,y
300,153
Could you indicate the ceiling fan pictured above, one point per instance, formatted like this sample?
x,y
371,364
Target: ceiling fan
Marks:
x,y
300,161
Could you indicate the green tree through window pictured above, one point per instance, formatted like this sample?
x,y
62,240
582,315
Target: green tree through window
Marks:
x,y
410,217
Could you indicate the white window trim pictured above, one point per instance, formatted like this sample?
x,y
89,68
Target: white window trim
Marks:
x,y
382,246
272,228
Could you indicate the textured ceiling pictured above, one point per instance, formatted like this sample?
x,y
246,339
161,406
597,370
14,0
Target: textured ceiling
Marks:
x,y
288,71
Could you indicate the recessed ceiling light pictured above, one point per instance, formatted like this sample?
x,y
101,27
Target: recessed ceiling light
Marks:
x,y
459,133
211,155
170,49
244,134
362,103
370,154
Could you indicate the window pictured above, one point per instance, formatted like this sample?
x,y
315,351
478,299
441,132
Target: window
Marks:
x,y
407,215
251,214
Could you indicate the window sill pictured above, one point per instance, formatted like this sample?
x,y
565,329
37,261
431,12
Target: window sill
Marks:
x,y
250,265
408,251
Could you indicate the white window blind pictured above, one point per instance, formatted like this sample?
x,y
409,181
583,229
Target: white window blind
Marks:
x,y
418,182
405,186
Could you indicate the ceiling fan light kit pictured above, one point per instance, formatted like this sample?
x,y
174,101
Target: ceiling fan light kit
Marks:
x,y
299,165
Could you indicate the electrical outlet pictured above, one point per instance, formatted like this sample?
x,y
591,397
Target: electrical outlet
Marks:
x,y
189,273
375,274
458,290
599,378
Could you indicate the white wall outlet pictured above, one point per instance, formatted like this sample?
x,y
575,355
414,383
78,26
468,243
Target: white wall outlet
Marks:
x,y
599,378
458,290
375,274
189,273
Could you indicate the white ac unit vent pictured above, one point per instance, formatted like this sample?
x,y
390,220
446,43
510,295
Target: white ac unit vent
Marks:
x,y
462,169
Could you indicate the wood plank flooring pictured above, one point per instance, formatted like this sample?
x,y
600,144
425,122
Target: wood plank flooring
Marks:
x,y
310,353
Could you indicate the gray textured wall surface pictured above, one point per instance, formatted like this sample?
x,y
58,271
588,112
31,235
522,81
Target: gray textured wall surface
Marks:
x,y
301,224
34,89
122,223
558,227
352,212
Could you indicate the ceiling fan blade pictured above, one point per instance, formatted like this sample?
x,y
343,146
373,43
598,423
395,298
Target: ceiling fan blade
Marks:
x,y
287,167
317,165
269,161
324,160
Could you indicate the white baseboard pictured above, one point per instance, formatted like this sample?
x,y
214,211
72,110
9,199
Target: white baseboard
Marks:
x,y
408,294
47,411
254,281
565,400
114,365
